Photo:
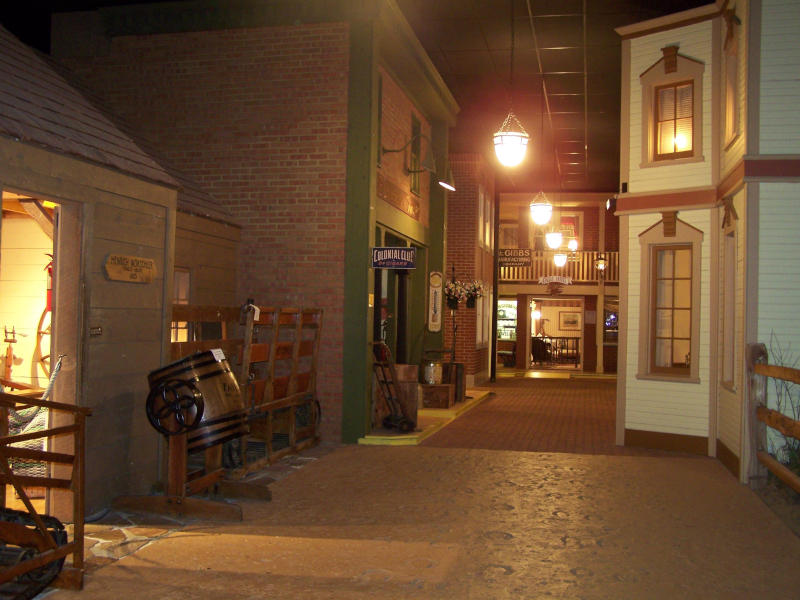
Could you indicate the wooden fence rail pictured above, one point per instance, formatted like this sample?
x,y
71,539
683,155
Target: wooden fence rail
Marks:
x,y
762,417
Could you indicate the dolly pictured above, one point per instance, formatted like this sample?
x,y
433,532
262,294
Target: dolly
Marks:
x,y
383,366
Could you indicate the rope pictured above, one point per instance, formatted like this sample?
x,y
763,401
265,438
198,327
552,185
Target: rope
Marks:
x,y
53,376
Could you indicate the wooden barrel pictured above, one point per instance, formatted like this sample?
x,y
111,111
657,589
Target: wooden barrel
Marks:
x,y
224,415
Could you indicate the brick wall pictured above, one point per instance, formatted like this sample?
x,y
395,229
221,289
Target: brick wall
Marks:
x,y
589,350
259,118
470,171
395,133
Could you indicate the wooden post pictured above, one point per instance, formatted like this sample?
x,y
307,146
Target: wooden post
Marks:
x,y
78,488
756,396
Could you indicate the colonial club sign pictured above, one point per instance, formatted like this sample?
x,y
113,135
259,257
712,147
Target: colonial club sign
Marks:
x,y
394,258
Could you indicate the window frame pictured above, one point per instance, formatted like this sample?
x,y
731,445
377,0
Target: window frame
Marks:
x,y
655,77
730,73
415,155
730,265
178,326
654,308
658,156
651,238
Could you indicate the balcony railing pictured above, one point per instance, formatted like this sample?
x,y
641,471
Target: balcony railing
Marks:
x,y
580,266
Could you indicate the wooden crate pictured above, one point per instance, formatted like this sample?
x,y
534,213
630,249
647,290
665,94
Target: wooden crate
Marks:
x,y
438,396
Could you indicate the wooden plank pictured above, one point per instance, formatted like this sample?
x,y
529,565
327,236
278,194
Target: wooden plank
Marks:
x,y
36,562
776,372
43,218
779,421
69,579
179,506
303,380
206,481
284,350
40,455
306,348
205,314
176,469
272,458
48,482
280,387
35,435
12,401
294,400
244,491
20,535
781,472
184,349
131,226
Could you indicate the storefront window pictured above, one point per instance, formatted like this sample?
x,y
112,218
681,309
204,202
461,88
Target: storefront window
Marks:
x,y
507,320
611,322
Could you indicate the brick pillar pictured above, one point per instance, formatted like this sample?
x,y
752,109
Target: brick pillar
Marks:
x,y
589,350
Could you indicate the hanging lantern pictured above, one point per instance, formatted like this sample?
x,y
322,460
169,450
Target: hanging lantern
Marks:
x,y
541,209
600,263
554,238
573,245
510,145
560,259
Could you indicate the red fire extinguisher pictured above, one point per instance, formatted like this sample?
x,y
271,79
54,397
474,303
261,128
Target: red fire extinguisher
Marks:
x,y
49,269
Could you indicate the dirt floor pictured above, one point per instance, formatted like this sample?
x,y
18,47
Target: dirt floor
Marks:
x,y
412,522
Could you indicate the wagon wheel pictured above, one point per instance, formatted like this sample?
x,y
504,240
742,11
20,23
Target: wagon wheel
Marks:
x,y
41,332
174,407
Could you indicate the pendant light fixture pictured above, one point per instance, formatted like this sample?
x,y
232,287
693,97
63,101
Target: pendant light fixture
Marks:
x,y
560,259
573,245
541,209
511,141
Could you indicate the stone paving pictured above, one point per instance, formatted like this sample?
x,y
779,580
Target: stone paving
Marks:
x,y
414,522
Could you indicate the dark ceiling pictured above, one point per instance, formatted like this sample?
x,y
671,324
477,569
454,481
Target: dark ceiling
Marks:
x,y
572,45
566,52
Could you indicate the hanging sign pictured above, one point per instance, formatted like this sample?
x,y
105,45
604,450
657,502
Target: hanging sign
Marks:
x,y
555,279
435,302
515,257
394,258
129,268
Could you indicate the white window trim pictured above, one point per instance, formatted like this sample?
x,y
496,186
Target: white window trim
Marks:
x,y
688,69
729,384
648,240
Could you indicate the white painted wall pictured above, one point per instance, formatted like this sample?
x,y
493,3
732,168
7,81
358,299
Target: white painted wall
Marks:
x,y
729,403
23,285
780,82
663,406
695,42
731,155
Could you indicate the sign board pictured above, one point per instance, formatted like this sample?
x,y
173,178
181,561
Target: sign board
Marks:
x,y
129,268
555,279
515,257
394,258
435,291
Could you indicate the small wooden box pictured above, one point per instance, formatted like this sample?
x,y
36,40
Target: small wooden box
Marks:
x,y
438,396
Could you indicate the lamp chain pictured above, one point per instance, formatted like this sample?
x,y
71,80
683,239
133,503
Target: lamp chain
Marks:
x,y
512,56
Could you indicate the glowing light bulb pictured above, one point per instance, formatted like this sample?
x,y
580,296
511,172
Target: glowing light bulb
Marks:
x,y
573,245
560,260
554,239
681,143
510,147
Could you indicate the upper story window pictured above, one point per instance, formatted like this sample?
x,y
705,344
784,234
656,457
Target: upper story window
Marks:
x,y
416,148
672,115
731,74
674,121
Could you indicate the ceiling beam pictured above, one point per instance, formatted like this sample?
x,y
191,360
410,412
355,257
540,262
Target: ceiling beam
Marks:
x,y
39,213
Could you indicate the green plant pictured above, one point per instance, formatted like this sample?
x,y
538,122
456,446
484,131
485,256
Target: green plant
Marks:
x,y
787,401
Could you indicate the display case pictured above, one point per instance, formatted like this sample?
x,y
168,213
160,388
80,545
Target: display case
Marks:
x,y
506,319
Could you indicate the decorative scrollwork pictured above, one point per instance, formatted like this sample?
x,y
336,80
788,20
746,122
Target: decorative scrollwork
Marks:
x,y
174,407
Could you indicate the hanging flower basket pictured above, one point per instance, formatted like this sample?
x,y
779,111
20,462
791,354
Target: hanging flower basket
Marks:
x,y
454,292
473,291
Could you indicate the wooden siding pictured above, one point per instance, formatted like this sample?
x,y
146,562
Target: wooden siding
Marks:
x,y
778,267
780,87
729,403
695,42
209,250
731,156
665,406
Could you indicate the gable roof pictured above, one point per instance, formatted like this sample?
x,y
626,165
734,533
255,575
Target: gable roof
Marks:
x,y
43,103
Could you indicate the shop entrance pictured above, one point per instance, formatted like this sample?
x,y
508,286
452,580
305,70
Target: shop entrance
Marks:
x,y
39,254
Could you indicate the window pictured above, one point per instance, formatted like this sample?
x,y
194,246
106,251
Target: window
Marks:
x,y
416,147
729,308
380,119
672,115
671,325
731,88
669,307
674,121
180,295
611,322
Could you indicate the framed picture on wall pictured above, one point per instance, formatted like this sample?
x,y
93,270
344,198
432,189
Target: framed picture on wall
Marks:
x,y
569,320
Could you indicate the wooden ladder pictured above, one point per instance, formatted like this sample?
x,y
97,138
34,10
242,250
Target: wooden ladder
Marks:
x,y
385,373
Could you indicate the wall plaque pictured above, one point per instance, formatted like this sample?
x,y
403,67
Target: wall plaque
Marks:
x,y
515,257
132,269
